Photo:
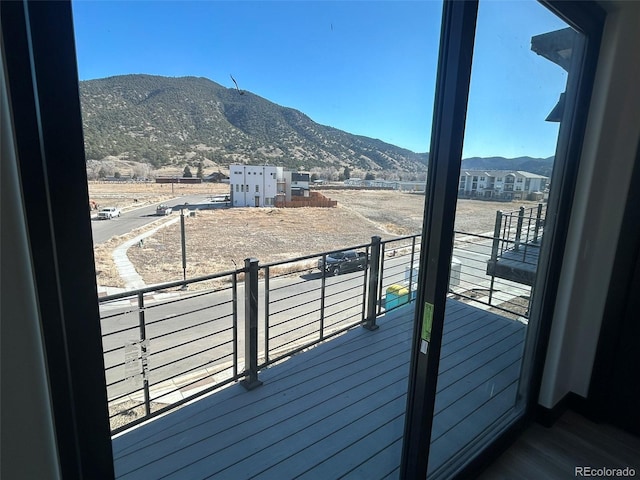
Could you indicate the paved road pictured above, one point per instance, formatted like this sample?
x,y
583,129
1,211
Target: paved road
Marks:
x,y
103,230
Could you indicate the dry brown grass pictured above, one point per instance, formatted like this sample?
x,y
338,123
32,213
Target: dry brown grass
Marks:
x,y
123,413
399,213
133,194
218,240
127,194
106,271
402,212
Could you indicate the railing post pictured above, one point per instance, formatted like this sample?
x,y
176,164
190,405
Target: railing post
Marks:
x,y
365,288
184,248
413,256
266,314
496,236
374,273
143,355
381,279
493,278
235,323
251,324
323,287
536,232
516,246
491,264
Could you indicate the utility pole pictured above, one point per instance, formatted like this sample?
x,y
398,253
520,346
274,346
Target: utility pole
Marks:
x,y
184,248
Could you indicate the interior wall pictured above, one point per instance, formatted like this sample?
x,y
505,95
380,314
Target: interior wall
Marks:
x,y
611,138
27,444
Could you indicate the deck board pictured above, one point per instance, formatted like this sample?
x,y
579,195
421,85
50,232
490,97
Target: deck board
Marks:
x,y
288,378
336,409
265,408
490,377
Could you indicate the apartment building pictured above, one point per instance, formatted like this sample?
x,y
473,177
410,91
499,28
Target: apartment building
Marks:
x,y
502,184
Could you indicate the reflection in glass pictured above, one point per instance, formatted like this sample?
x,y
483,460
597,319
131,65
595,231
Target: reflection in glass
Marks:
x,y
522,57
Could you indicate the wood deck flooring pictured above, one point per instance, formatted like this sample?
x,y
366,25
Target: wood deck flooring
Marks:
x,y
336,410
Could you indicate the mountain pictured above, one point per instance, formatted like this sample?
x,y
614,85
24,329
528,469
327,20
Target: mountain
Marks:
x,y
177,121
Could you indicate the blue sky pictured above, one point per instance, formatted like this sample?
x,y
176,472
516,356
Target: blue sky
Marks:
x,y
366,67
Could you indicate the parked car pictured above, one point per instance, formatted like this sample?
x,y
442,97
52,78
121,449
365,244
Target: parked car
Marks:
x,y
108,213
340,262
220,199
163,209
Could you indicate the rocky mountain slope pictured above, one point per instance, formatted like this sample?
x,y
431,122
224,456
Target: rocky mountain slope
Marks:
x,y
163,121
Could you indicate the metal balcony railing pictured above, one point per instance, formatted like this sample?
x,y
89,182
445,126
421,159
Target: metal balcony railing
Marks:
x,y
470,281
518,230
516,244
166,344
159,343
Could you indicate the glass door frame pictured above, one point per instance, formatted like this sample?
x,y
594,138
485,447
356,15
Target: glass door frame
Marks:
x,y
38,45
452,91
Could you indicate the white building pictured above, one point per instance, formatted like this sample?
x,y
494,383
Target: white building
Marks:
x,y
261,185
255,185
502,184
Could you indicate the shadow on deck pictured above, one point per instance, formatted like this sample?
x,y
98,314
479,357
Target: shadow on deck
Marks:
x,y
336,410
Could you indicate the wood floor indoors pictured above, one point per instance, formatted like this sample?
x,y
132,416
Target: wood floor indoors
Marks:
x,y
555,453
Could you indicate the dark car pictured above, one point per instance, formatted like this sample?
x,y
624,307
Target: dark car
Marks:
x,y
340,262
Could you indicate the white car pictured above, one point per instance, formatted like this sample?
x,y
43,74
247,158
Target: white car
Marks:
x,y
108,213
163,209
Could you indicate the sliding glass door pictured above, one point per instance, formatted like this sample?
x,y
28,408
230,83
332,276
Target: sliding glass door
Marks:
x,y
505,149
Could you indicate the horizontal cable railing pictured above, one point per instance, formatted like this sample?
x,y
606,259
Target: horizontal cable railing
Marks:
x,y
165,344
309,299
469,279
399,272
518,233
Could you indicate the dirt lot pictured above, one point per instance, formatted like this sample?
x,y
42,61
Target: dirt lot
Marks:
x,y
126,194
402,212
217,240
